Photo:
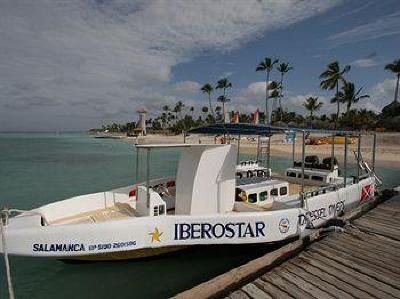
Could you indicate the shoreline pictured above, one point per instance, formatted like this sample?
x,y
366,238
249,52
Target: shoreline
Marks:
x,y
387,148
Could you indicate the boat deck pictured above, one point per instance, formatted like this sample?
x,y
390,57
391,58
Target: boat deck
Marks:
x,y
123,210
118,211
296,188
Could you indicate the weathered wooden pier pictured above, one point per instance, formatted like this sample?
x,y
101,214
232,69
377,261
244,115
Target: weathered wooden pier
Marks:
x,y
363,261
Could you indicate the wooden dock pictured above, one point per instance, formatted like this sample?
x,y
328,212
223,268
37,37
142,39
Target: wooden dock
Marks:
x,y
361,262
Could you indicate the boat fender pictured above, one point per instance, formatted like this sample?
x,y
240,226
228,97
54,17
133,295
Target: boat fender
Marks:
x,y
250,174
239,175
243,196
162,190
261,173
132,193
170,184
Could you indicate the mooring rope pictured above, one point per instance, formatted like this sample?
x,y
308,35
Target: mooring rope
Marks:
x,y
4,221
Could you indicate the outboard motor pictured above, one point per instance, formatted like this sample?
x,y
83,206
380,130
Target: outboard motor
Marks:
x,y
327,162
311,161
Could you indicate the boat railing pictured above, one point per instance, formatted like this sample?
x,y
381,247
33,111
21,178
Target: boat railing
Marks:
x,y
321,190
331,188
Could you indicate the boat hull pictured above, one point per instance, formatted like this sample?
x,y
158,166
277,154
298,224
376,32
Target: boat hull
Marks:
x,y
139,237
128,255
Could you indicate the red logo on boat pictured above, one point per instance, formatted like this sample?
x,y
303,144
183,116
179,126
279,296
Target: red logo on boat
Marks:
x,y
367,192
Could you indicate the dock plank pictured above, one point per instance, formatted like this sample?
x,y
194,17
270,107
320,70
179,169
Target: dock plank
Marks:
x,y
361,262
365,254
356,276
383,216
272,289
302,283
239,294
316,280
255,292
332,276
284,285
370,237
378,228
382,252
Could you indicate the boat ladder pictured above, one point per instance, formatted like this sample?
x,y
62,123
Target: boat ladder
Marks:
x,y
263,151
364,166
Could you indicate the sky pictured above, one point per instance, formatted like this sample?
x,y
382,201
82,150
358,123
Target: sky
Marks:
x,y
79,64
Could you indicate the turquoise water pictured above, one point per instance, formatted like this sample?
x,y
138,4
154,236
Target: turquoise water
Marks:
x,y
40,168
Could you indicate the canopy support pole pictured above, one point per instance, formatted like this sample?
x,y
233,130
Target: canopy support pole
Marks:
x,y
148,177
293,148
238,151
303,155
345,160
137,166
269,153
374,153
358,157
333,151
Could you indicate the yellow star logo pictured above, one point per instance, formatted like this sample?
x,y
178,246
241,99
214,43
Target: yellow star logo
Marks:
x,y
155,235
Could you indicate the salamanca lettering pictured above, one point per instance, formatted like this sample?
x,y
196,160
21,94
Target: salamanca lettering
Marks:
x,y
186,231
58,247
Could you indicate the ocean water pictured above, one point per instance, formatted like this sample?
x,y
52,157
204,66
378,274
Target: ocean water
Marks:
x,y
39,168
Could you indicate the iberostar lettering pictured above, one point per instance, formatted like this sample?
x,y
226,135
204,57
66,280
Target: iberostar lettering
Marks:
x,y
185,231
58,247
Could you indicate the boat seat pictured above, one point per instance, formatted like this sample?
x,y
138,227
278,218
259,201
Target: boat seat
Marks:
x,y
286,204
247,207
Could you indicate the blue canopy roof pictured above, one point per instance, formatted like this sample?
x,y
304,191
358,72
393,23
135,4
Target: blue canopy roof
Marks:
x,y
236,129
261,130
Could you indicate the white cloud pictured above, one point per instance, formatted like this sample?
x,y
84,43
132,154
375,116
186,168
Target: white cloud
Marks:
x,y
255,89
97,59
384,26
253,96
381,94
187,87
364,63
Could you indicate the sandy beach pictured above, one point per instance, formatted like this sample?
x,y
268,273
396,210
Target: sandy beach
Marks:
x,y
387,150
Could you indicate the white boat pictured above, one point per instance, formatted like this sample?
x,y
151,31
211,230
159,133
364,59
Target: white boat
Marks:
x,y
315,173
204,204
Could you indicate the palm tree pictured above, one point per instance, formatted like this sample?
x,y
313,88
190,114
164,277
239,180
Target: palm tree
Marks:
x,y
178,108
208,89
164,119
191,110
349,95
332,76
204,109
273,93
283,68
312,105
223,84
394,67
266,65
218,110
167,112
223,99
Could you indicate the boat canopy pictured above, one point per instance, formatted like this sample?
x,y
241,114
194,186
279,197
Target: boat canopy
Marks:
x,y
235,129
261,130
